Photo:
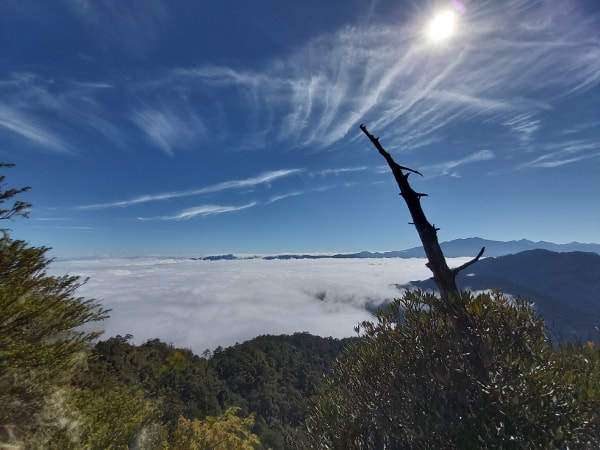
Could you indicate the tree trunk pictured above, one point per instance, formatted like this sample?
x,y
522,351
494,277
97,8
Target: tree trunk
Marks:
x,y
444,277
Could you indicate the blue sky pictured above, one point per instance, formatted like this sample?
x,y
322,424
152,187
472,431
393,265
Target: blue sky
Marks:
x,y
155,127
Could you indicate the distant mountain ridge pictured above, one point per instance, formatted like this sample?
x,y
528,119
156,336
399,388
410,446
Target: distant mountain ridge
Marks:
x,y
565,287
452,249
471,246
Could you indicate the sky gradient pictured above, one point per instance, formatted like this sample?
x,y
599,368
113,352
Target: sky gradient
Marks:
x,y
151,127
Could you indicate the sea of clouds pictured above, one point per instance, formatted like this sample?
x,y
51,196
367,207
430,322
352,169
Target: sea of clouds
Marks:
x,y
205,304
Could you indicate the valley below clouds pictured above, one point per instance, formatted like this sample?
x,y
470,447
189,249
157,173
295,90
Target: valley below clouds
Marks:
x,y
205,304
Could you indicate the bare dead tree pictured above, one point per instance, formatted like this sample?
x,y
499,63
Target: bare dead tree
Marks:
x,y
444,276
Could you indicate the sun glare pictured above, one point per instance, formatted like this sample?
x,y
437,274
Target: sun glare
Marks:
x,y
441,26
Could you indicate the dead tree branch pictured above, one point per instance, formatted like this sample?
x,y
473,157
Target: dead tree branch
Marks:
x,y
456,270
444,277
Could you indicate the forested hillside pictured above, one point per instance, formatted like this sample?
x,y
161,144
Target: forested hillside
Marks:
x,y
272,377
563,286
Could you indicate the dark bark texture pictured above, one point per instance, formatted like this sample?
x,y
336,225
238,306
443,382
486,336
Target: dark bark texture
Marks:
x,y
444,276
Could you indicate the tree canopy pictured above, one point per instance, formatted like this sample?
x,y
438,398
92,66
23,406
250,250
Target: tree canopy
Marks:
x,y
41,334
409,382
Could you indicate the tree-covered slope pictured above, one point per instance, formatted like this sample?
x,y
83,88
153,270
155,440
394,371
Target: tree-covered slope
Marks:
x,y
273,377
565,287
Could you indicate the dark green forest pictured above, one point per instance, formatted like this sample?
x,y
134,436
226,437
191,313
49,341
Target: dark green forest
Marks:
x,y
455,370
275,378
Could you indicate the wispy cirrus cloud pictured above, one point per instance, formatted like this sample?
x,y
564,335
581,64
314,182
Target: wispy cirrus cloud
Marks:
x,y
498,69
203,210
263,178
450,166
276,198
337,171
168,128
562,153
27,127
54,115
576,128
207,210
525,126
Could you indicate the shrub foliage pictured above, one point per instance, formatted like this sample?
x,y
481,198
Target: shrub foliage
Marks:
x,y
411,382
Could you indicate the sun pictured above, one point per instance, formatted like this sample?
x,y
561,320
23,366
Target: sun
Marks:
x,y
441,26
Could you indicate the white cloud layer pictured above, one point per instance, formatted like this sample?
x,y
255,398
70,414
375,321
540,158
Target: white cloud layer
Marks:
x,y
205,304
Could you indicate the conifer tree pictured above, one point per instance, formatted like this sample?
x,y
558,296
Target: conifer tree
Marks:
x,y
41,334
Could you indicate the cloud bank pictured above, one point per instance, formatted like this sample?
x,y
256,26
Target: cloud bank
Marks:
x,y
205,304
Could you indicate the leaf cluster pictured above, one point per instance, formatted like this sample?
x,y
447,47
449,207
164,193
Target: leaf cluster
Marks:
x,y
227,431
